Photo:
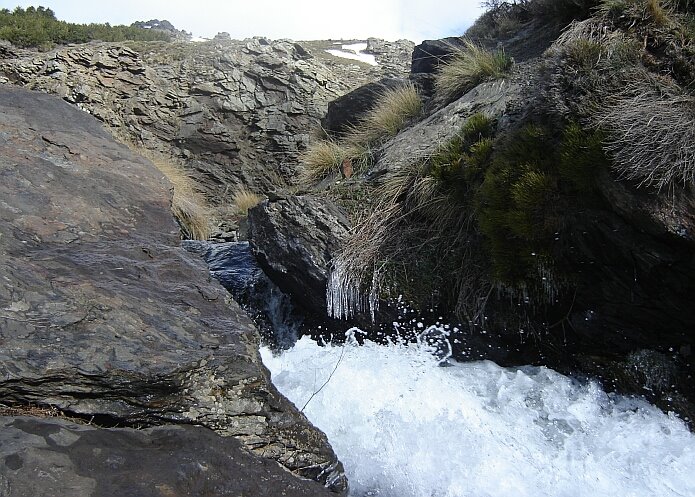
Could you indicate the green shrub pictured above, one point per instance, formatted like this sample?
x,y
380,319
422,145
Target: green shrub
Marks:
x,y
467,68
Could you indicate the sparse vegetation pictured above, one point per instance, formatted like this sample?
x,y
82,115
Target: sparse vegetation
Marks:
x,y
38,27
652,136
394,108
244,199
468,67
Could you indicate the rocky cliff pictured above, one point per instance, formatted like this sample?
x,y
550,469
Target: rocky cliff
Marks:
x,y
236,113
104,318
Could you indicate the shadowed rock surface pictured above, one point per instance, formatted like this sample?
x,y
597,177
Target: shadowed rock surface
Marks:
x,y
294,240
54,457
103,314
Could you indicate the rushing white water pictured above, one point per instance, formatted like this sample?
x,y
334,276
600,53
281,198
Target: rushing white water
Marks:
x,y
404,426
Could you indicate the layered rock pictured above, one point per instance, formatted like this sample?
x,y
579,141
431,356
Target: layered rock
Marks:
x,y
237,112
103,315
57,457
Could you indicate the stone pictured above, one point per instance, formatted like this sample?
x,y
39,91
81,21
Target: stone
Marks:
x,y
104,316
246,88
294,240
430,54
52,456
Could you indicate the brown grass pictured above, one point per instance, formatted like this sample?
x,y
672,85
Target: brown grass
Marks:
x,y
467,68
188,204
651,135
393,110
244,199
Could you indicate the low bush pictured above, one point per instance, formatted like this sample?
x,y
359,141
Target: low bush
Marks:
x,y
468,67
38,27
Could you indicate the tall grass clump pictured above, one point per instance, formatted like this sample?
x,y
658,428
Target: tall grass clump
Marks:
x,y
244,199
651,136
188,204
326,157
394,108
467,68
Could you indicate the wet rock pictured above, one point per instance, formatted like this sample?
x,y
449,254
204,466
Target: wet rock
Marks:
x,y
51,456
103,314
294,240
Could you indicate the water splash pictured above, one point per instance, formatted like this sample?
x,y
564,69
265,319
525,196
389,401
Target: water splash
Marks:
x,y
405,426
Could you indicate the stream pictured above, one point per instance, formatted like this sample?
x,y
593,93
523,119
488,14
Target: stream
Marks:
x,y
407,420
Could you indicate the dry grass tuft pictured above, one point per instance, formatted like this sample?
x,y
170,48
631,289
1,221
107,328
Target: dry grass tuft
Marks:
x,y
467,68
322,159
244,199
187,204
393,109
651,135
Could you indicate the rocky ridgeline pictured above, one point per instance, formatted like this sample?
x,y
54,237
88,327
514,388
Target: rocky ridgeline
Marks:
x,y
237,112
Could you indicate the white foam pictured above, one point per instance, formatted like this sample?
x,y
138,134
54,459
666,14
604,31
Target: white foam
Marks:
x,y
405,426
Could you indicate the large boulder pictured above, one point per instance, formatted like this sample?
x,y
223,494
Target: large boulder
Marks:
x,y
295,239
428,55
104,316
52,457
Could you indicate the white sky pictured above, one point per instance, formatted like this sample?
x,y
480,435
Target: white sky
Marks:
x,y
299,20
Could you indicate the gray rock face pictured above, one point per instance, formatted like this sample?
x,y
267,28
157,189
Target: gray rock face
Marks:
x,y
294,240
237,112
103,314
54,457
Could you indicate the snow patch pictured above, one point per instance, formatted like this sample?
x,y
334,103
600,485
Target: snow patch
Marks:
x,y
354,51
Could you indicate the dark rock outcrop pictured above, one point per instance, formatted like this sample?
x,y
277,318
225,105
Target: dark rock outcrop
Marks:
x,y
103,315
428,55
345,111
294,240
42,457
